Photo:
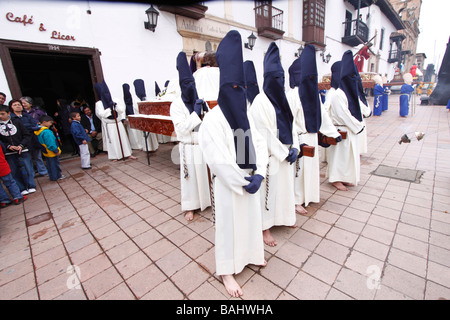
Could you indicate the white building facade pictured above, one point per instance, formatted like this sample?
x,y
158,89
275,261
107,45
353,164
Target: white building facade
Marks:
x,y
59,49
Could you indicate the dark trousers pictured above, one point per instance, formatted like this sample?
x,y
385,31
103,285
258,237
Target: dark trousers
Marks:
x,y
12,187
53,168
22,170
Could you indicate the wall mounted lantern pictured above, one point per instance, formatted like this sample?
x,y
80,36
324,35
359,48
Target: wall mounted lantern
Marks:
x,y
251,41
299,51
325,58
152,16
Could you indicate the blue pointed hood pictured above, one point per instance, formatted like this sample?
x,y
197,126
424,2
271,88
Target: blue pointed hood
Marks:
x,y
232,98
349,84
335,74
250,80
128,99
187,83
309,90
139,89
294,73
104,94
273,87
157,89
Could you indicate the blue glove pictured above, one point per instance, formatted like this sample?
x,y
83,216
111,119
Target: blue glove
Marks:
x,y
255,183
205,107
292,156
198,106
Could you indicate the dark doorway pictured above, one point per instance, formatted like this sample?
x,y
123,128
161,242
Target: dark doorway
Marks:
x,y
46,77
348,24
47,72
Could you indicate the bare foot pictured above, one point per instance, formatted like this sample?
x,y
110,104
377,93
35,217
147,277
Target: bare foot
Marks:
x,y
233,288
348,184
268,238
262,265
300,210
340,186
132,158
189,215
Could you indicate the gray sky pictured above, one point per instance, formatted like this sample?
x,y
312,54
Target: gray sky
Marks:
x,y
434,25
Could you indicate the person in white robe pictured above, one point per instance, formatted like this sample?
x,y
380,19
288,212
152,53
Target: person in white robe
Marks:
x,y
343,158
115,139
273,118
147,140
310,117
238,167
134,135
186,112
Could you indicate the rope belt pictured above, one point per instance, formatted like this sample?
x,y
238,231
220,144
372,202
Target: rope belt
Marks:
x,y
213,203
185,167
267,184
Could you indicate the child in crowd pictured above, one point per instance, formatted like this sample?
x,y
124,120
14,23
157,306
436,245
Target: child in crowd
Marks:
x,y
50,147
9,182
81,138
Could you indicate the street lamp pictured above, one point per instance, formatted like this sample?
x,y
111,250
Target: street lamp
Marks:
x,y
326,58
299,51
152,16
251,41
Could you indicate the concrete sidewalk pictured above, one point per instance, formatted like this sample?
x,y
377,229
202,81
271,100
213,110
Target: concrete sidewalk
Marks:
x,y
117,231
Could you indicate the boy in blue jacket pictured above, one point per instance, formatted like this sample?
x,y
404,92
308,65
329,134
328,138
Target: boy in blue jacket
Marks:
x,y
50,148
81,139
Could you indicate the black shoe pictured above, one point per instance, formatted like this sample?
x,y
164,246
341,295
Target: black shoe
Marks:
x,y
88,168
93,155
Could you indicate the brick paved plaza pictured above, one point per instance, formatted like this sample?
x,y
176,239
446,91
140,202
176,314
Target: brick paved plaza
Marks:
x,y
119,228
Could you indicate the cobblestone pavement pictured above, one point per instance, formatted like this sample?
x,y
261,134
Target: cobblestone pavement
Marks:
x,y
117,231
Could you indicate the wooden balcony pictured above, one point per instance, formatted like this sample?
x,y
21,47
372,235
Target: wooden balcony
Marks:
x,y
396,53
269,21
356,32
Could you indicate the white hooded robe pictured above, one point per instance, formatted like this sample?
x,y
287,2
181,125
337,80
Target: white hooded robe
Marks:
x,y
277,198
238,238
343,158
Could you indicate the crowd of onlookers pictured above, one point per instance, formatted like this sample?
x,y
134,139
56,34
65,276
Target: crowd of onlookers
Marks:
x,y
31,146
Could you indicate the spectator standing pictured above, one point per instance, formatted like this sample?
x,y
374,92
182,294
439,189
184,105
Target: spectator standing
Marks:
x,y
81,138
93,125
16,139
30,109
9,182
16,108
50,144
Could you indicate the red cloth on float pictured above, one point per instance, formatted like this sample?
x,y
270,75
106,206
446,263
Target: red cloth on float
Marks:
x,y
360,56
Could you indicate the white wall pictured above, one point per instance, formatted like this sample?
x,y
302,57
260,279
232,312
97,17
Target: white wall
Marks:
x,y
128,50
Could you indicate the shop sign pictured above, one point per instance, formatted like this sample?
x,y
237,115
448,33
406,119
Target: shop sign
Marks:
x,y
25,20
201,28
